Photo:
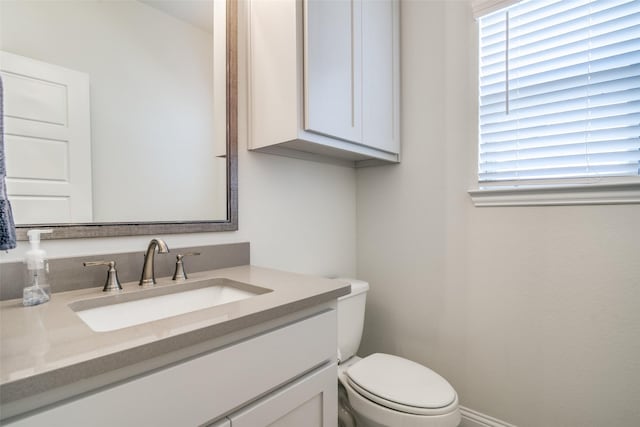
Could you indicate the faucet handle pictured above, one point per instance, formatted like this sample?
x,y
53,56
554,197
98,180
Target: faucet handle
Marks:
x,y
180,273
113,283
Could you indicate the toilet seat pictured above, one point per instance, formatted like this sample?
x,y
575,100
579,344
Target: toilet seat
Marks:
x,y
401,385
370,413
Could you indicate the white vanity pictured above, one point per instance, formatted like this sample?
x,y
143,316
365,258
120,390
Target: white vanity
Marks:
x,y
269,359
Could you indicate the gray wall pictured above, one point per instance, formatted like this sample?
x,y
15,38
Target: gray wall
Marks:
x,y
532,314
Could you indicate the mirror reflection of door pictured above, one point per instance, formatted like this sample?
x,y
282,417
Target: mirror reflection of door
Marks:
x,y
47,133
156,71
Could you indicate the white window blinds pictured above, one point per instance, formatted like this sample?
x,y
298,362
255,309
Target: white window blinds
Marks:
x,y
560,90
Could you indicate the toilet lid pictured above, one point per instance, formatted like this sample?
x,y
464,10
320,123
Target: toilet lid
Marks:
x,y
400,384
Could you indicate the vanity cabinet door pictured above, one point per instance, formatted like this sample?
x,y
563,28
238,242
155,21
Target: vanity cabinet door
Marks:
x,y
311,401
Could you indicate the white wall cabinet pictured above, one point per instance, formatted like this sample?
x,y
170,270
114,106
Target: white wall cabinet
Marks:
x,y
323,79
291,370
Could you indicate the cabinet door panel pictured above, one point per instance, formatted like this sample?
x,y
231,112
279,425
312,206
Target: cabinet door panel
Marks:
x,y
311,401
309,414
380,79
333,68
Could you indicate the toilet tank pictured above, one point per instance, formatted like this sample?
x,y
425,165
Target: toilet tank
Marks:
x,y
351,318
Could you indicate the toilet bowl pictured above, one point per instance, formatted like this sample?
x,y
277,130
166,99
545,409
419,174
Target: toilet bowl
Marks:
x,y
385,390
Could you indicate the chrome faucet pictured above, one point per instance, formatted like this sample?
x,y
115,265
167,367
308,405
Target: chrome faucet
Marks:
x,y
148,274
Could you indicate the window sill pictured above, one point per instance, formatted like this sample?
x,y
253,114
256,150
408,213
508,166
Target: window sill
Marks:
x,y
557,195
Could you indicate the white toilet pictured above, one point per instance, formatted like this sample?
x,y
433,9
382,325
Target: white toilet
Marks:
x,y
386,390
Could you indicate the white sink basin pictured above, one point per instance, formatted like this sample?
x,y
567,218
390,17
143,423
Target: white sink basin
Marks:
x,y
120,311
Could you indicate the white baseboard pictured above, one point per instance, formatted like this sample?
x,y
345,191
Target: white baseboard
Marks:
x,y
471,418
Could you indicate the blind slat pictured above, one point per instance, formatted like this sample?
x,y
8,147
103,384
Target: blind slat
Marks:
x,y
548,104
560,127
561,150
597,116
565,138
598,160
564,172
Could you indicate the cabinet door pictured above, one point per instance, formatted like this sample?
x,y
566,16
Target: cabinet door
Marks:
x,y
380,75
311,401
333,68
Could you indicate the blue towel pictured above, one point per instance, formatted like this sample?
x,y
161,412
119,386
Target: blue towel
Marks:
x,y
7,226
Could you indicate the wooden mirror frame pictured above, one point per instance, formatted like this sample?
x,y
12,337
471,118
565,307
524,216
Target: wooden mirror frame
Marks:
x,y
112,229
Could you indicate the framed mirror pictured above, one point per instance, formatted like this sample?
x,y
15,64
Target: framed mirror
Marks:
x,y
120,116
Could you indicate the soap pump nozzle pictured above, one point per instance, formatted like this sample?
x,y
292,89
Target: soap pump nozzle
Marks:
x,y
34,235
35,255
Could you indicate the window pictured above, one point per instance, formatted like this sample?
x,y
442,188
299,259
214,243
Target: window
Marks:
x,y
560,92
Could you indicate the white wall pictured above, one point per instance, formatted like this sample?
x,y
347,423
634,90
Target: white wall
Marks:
x,y
151,78
299,216
531,313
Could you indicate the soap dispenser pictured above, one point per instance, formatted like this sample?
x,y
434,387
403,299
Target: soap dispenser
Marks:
x,y
37,289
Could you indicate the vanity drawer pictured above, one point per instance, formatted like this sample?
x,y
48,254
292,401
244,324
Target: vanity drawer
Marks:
x,y
206,387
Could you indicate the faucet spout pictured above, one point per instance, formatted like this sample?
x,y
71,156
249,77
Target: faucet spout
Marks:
x,y
148,273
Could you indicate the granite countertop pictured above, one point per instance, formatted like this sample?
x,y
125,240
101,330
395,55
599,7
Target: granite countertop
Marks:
x,y
49,346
